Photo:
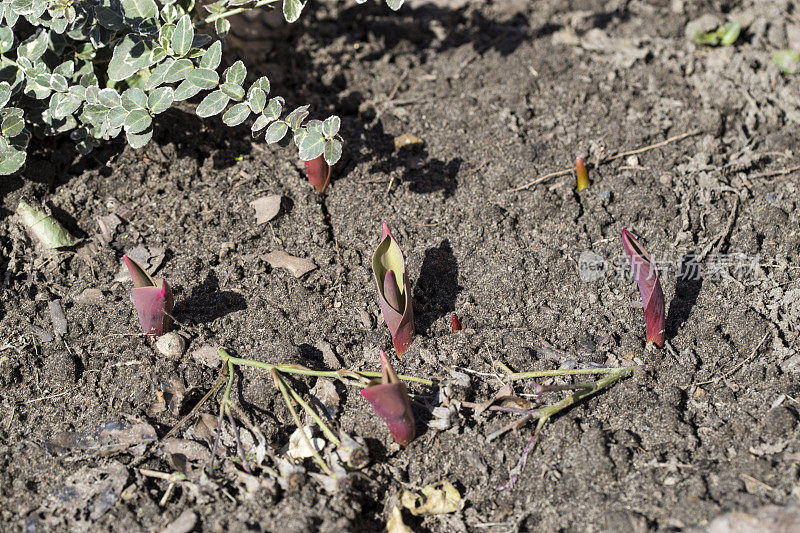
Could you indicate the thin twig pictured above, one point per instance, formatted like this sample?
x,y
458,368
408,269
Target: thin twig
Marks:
x,y
239,448
194,410
716,244
605,160
738,366
771,173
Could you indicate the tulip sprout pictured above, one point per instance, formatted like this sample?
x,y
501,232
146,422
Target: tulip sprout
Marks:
x,y
152,299
389,271
648,280
581,173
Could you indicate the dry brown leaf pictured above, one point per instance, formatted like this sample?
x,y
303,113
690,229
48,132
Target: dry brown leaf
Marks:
x,y
266,208
296,265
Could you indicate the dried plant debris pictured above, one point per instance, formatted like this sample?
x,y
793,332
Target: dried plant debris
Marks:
x,y
324,392
107,439
299,447
439,498
297,266
107,227
395,523
44,226
267,208
185,523
84,497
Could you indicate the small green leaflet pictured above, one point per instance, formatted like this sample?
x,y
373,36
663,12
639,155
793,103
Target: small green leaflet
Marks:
x,y
311,146
276,131
212,104
292,9
182,36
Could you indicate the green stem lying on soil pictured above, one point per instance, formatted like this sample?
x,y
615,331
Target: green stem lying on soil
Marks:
x,y
544,414
297,369
562,372
282,386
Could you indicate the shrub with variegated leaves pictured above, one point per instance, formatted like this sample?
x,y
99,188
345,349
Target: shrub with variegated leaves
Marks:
x,y
95,69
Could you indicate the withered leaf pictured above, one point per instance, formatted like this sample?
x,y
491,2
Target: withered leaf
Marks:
x,y
266,207
297,266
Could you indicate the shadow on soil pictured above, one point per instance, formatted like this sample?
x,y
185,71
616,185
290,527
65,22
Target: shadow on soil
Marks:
x,y
687,289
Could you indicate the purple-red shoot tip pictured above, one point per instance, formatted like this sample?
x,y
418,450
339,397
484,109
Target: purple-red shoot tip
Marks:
x,y
649,283
153,300
319,173
389,399
455,323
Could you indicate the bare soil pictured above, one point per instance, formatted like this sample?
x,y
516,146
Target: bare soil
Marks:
x,y
501,92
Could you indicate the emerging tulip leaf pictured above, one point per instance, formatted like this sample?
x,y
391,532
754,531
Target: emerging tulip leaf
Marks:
x,y
139,275
455,323
153,300
389,271
389,399
582,173
319,173
648,280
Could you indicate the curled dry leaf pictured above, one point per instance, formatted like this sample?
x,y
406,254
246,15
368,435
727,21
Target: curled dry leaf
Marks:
x,y
297,266
325,391
440,498
407,140
267,208
395,523
45,227
298,446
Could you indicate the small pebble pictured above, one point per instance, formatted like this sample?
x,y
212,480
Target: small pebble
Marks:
x,y
171,344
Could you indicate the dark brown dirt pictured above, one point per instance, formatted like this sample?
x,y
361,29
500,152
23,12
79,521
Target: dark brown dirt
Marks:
x,y
501,93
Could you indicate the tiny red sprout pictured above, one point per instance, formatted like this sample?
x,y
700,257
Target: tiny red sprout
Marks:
x,y
649,282
455,322
389,398
153,300
389,271
319,173
582,173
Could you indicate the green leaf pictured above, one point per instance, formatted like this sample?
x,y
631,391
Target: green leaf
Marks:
x,y
212,104
6,38
109,16
118,69
44,227
108,97
236,73
140,55
222,27
237,114
257,99
158,74
64,105
331,126
394,5
296,117
137,121
728,33
182,36
34,46
260,123
178,71
137,140
137,10
95,114
185,90
292,9
274,107
333,151
203,77
212,57
116,116
134,99
157,55
11,160
232,90
12,126
311,146
276,131
5,93
787,60
261,83
159,100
